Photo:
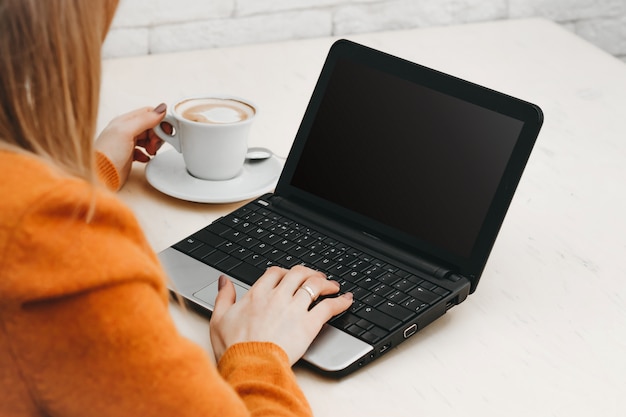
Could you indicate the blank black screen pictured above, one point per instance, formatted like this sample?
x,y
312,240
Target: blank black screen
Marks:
x,y
405,155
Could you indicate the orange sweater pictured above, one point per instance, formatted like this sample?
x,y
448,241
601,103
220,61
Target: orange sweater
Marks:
x,y
84,322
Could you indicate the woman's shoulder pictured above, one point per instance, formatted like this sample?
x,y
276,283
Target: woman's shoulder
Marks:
x,y
60,235
28,177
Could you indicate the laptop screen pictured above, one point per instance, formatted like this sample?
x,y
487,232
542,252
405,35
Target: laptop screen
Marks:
x,y
415,160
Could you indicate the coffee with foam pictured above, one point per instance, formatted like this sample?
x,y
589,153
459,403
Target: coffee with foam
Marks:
x,y
211,133
215,110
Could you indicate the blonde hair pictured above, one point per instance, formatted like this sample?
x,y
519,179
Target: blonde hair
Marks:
x,y
50,64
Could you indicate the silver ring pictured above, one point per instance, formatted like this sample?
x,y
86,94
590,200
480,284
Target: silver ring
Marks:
x,y
309,291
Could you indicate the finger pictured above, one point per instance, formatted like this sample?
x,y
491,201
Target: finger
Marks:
x,y
139,156
314,286
300,274
143,137
328,308
270,279
226,297
141,120
330,287
153,144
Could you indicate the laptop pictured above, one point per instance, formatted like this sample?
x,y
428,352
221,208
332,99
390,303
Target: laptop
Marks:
x,y
396,186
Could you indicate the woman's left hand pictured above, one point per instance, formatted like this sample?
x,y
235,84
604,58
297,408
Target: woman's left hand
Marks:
x,y
130,137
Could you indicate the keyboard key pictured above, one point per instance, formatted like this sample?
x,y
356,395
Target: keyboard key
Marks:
x,y
246,273
205,235
364,324
441,291
396,310
233,235
202,252
428,285
345,286
344,321
223,225
389,278
397,297
352,276
378,331
345,259
272,238
373,271
415,305
404,285
274,254
228,247
379,318
284,245
256,259
368,283
355,330
423,294
401,273
188,245
228,264
360,293
241,253
414,279
245,226
311,257
261,248
214,258
324,263
338,270
373,300
248,242
289,261
258,233
370,337
356,306
382,290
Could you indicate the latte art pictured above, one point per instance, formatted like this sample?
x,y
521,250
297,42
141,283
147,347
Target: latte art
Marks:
x,y
214,110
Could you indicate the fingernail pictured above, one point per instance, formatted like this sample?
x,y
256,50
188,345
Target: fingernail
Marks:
x,y
160,108
348,296
221,282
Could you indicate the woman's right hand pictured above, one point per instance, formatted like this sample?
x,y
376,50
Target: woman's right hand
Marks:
x,y
276,309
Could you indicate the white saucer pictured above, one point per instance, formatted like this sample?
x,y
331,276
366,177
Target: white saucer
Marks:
x,y
167,173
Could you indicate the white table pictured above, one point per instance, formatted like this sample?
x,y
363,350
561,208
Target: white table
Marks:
x,y
545,333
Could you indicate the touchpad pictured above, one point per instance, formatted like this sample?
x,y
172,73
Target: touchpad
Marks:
x,y
208,293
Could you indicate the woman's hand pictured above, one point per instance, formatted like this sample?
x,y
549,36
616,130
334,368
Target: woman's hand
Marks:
x,y
276,309
130,137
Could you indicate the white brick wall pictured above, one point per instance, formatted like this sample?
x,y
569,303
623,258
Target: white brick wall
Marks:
x,y
155,26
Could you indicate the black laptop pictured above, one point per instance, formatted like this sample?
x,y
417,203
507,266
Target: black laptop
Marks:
x,y
396,186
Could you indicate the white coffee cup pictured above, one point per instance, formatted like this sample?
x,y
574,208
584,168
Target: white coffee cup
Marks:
x,y
211,132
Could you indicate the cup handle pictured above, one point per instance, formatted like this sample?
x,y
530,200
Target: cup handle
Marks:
x,y
172,139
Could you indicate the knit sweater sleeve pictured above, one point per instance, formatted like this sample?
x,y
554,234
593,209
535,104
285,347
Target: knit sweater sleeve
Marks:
x,y
107,174
115,351
257,372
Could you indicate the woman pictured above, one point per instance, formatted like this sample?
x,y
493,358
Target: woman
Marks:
x,y
84,324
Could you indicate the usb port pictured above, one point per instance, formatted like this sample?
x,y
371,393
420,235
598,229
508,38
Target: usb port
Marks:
x,y
451,303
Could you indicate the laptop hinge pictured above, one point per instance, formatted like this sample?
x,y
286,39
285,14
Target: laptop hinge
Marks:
x,y
373,242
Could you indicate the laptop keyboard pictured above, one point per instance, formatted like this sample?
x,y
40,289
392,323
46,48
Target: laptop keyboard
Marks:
x,y
253,238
